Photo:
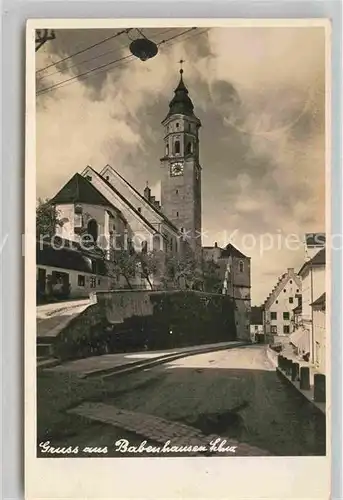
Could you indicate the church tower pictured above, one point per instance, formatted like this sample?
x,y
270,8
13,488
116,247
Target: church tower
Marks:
x,y
181,171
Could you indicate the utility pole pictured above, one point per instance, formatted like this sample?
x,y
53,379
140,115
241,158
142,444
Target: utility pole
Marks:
x,y
42,36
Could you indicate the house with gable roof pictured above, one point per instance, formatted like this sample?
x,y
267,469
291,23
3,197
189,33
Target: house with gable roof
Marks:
x,y
309,335
279,305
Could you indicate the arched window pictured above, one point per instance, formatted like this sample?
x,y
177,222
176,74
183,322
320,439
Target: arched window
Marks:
x,y
144,245
92,229
177,147
241,266
167,149
189,148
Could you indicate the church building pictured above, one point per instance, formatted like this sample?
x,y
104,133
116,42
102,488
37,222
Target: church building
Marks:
x,y
103,205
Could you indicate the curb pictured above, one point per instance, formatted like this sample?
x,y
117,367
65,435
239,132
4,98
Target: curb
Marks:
x,y
319,406
139,365
271,357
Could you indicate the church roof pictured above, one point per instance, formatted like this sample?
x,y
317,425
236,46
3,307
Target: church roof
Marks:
x,y
181,102
134,209
160,213
79,190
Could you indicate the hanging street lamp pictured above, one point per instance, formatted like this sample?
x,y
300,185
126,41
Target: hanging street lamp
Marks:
x,y
143,48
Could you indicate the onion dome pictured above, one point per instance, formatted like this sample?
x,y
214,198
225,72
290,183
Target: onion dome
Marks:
x,y
181,102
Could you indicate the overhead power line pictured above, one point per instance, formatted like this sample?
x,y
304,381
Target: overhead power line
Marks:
x,y
122,60
84,50
98,56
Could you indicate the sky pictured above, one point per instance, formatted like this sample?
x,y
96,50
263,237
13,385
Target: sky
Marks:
x,y
260,95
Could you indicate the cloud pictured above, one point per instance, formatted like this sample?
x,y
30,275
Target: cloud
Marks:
x,y
260,95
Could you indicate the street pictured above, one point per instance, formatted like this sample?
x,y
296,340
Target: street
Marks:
x,y
234,394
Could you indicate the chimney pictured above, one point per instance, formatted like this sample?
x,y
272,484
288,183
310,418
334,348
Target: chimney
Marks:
x,y
290,270
147,193
215,244
152,199
157,205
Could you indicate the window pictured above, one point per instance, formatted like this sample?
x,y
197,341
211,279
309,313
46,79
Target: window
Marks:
x,y
177,191
286,329
177,125
92,230
297,290
273,329
80,280
167,149
92,282
177,147
177,214
94,266
291,300
99,281
276,302
290,281
88,177
286,315
189,148
139,209
256,328
107,177
284,290
273,315
78,221
241,266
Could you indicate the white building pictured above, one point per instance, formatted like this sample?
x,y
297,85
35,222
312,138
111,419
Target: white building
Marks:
x,y
279,305
319,332
312,275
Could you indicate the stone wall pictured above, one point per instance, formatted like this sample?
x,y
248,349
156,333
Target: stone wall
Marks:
x,y
124,321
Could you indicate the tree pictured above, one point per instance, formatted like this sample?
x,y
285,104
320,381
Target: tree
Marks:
x,y
182,271
150,265
47,218
212,281
124,264
185,271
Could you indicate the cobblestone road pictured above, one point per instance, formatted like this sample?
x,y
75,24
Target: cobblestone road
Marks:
x,y
235,394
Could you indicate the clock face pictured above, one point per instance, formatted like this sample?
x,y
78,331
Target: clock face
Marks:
x,y
176,169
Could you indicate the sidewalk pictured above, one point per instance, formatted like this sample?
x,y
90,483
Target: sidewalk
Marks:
x,y
308,394
108,364
52,318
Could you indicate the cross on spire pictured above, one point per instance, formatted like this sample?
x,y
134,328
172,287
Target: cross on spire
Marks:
x,y
181,63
